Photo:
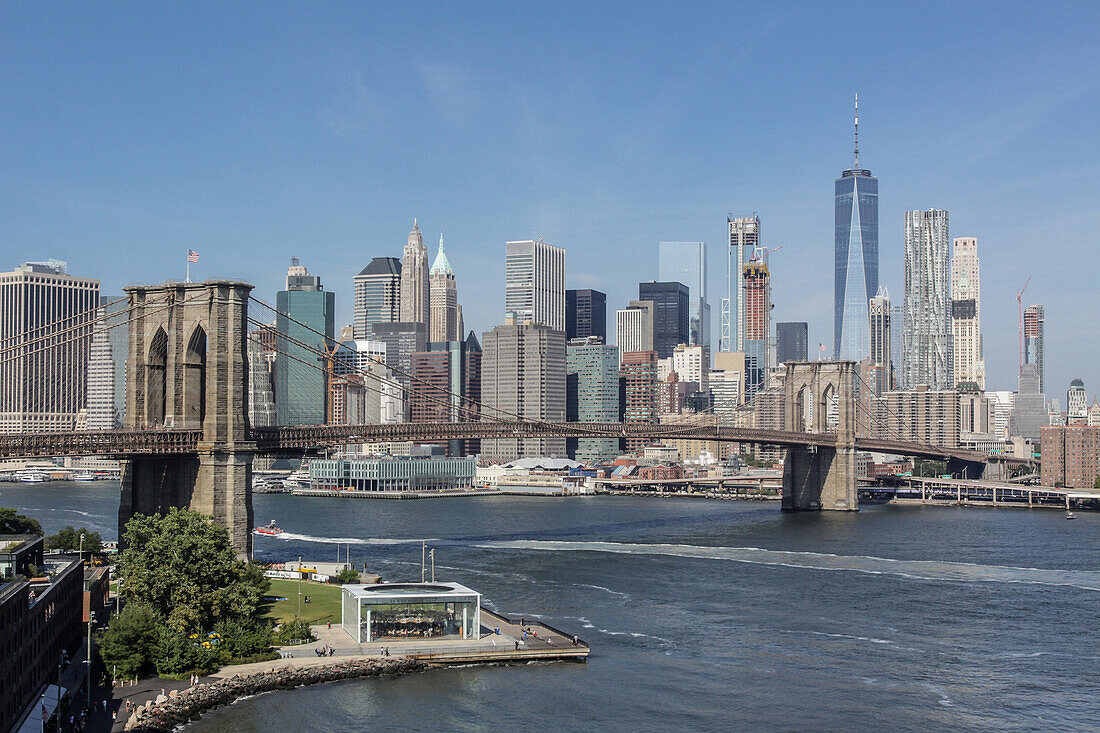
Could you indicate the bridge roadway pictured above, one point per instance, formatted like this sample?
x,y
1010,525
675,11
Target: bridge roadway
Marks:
x,y
312,438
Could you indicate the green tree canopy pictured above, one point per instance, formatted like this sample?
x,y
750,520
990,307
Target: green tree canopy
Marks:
x,y
182,565
129,642
68,538
14,523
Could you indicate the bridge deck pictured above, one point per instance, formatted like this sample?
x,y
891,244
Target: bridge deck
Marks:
x,y
312,438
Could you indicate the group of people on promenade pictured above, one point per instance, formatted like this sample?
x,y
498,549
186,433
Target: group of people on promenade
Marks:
x,y
324,651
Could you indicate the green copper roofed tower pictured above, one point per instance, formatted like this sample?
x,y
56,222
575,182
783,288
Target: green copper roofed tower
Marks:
x,y
856,252
446,313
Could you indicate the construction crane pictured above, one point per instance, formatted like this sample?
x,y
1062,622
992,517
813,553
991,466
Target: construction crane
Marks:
x,y
1020,305
760,254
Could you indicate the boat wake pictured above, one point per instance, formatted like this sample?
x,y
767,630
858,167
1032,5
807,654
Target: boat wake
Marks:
x,y
350,540
919,569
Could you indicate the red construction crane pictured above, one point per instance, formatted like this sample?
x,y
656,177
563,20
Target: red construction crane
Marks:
x,y
1020,305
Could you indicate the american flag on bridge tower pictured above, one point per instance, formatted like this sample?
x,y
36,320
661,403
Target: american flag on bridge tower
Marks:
x,y
192,256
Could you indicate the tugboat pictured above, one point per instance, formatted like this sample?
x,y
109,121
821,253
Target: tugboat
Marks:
x,y
269,531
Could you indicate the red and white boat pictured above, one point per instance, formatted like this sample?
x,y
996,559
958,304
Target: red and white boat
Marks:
x,y
269,531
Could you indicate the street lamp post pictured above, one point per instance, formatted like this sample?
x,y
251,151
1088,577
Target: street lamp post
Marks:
x,y
88,660
299,587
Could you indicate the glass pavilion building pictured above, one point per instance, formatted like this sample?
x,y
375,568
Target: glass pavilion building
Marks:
x,y
406,611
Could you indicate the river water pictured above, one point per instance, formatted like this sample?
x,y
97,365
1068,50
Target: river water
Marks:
x,y
705,615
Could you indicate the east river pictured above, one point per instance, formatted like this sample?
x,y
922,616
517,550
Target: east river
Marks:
x,y
705,615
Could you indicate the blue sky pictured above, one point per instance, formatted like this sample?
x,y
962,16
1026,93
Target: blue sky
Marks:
x,y
257,132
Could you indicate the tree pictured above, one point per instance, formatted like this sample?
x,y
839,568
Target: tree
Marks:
x,y
68,538
13,523
347,575
128,644
294,631
182,565
1096,483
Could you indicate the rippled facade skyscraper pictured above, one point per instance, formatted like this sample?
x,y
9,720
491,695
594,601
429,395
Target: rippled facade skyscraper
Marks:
x,y
856,258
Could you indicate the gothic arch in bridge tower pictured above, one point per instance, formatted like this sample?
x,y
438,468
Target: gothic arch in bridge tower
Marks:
x,y
156,385
194,380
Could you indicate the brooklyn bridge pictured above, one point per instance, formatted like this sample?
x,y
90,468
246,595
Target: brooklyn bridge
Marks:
x,y
187,368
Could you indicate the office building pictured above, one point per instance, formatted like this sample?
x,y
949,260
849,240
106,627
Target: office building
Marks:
x,y
118,334
1071,456
415,295
966,310
101,412
377,295
638,393
1034,325
927,349
446,313
920,415
523,374
592,395
305,312
1077,403
430,387
692,364
634,327
1092,418
744,237
792,342
46,329
402,340
686,262
585,314
756,326
882,356
1029,412
261,395
355,356
534,287
472,394
855,198
670,314
725,391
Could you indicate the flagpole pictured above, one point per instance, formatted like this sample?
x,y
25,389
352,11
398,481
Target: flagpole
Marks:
x,y
188,268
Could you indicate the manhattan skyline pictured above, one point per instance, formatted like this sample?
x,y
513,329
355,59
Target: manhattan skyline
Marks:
x,y
140,136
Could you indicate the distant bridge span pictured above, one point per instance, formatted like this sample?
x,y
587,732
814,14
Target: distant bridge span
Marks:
x,y
311,438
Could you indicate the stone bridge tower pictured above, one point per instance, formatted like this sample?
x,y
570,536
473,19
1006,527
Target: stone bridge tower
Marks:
x,y
187,369
816,394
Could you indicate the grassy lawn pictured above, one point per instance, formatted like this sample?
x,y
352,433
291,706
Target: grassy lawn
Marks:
x,y
323,607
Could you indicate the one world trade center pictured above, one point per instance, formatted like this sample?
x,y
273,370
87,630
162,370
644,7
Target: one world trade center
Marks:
x,y
856,282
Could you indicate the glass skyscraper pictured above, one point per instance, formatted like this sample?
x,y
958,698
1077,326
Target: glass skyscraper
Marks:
x,y
856,258
686,262
300,388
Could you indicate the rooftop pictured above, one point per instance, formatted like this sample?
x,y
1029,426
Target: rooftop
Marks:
x,y
382,266
382,592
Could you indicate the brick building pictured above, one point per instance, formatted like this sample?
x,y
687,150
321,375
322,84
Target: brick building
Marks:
x,y
1071,456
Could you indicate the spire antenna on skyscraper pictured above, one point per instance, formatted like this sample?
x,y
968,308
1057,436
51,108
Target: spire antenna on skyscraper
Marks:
x,y
856,166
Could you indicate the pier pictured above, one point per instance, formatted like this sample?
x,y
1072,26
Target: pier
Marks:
x,y
490,647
